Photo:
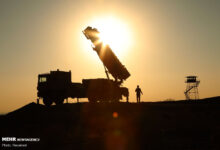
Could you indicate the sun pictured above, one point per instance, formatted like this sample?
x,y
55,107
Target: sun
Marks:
x,y
113,32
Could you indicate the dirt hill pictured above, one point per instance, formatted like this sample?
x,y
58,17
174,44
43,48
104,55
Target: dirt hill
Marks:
x,y
175,125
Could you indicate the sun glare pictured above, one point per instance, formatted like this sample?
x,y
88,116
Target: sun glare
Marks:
x,y
114,33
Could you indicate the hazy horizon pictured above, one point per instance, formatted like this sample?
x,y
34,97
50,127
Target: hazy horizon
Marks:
x,y
167,40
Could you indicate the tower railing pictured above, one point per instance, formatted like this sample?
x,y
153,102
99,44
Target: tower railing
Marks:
x,y
191,91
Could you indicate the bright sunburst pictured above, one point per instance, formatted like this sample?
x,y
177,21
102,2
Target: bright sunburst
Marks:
x,y
114,33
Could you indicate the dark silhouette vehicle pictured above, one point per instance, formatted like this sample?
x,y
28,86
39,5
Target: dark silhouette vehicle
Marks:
x,y
57,86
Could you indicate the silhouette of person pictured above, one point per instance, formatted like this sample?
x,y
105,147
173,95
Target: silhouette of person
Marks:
x,y
138,94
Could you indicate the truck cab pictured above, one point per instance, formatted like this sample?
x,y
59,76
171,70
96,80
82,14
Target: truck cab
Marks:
x,y
53,86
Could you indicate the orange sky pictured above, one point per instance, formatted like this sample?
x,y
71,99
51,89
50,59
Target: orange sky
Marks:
x,y
169,40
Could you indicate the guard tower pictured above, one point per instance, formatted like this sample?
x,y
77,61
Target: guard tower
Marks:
x,y
192,88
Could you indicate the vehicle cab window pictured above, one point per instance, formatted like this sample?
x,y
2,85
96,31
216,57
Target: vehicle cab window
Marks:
x,y
42,79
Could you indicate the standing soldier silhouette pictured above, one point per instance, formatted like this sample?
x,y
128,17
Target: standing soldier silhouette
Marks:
x,y
138,94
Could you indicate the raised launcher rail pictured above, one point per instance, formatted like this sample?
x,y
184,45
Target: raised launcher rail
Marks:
x,y
105,53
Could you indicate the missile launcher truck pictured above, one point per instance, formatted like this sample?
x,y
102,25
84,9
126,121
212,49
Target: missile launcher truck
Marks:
x,y
57,86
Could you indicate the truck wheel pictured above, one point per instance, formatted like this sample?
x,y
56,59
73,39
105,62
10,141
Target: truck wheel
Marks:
x,y
115,100
59,101
127,98
47,101
92,99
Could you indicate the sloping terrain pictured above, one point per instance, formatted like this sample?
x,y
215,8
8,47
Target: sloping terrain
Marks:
x,y
179,125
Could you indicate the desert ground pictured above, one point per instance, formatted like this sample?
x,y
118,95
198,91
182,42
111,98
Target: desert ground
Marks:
x,y
178,125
